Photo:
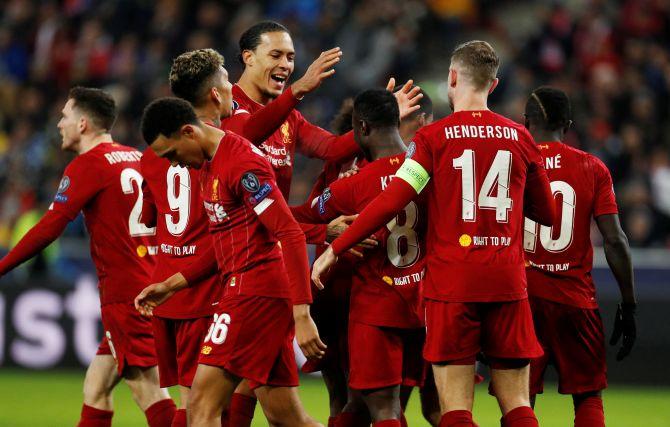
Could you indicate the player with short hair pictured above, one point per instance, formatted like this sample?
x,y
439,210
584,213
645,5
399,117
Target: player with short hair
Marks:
x,y
560,287
104,183
200,77
386,311
484,167
267,294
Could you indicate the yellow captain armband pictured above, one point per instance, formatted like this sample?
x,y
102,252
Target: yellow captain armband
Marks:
x,y
414,174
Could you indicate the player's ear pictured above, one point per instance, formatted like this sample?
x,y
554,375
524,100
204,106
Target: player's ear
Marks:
x,y
82,124
493,85
365,128
188,131
248,57
215,95
453,77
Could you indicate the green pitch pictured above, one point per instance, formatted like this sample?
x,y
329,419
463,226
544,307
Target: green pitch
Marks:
x,y
53,399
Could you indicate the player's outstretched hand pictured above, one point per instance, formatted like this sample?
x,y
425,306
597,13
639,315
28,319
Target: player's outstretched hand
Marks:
x,y
156,294
351,172
320,70
626,326
337,227
307,334
322,265
408,97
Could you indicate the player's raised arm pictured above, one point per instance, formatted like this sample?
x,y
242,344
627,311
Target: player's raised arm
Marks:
x,y
258,126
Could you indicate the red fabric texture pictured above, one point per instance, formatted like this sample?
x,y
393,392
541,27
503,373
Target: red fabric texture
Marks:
x,y
589,412
352,419
385,289
182,234
294,134
252,338
161,413
241,411
560,259
128,336
523,416
387,423
179,419
93,417
402,362
248,216
105,184
178,343
461,418
461,330
573,340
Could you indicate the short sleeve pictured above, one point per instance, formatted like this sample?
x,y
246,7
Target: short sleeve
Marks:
x,y
418,164
604,198
76,188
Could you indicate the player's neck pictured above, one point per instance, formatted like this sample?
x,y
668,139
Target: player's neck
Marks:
x,y
209,114
89,142
471,101
386,144
211,140
546,136
252,90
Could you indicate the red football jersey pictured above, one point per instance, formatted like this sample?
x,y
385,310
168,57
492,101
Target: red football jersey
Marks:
x,y
295,134
238,185
105,183
479,162
561,257
181,233
386,284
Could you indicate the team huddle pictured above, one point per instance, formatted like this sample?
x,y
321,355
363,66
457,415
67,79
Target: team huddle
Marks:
x,y
441,245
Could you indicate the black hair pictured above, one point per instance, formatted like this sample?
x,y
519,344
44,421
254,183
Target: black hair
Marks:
x,y
341,124
165,116
97,104
378,107
549,108
425,103
251,38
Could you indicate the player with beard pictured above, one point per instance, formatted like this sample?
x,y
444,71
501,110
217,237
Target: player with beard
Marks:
x,y
487,174
267,294
560,286
104,182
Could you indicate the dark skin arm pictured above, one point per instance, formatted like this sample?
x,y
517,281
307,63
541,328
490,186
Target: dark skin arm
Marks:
x,y
618,256
617,253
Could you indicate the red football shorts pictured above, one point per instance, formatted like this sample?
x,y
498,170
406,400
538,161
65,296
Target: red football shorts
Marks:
x,y
178,343
457,331
574,342
128,336
383,357
252,337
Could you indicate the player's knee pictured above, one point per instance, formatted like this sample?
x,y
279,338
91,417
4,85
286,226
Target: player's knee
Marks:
x,y
97,393
200,407
383,404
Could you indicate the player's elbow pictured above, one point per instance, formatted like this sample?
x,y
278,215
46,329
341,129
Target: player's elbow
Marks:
x,y
616,242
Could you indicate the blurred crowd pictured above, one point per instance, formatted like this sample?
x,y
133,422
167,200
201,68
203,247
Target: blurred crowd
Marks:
x,y
612,57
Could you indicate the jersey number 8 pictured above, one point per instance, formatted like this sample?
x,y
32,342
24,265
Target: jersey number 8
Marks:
x,y
403,231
